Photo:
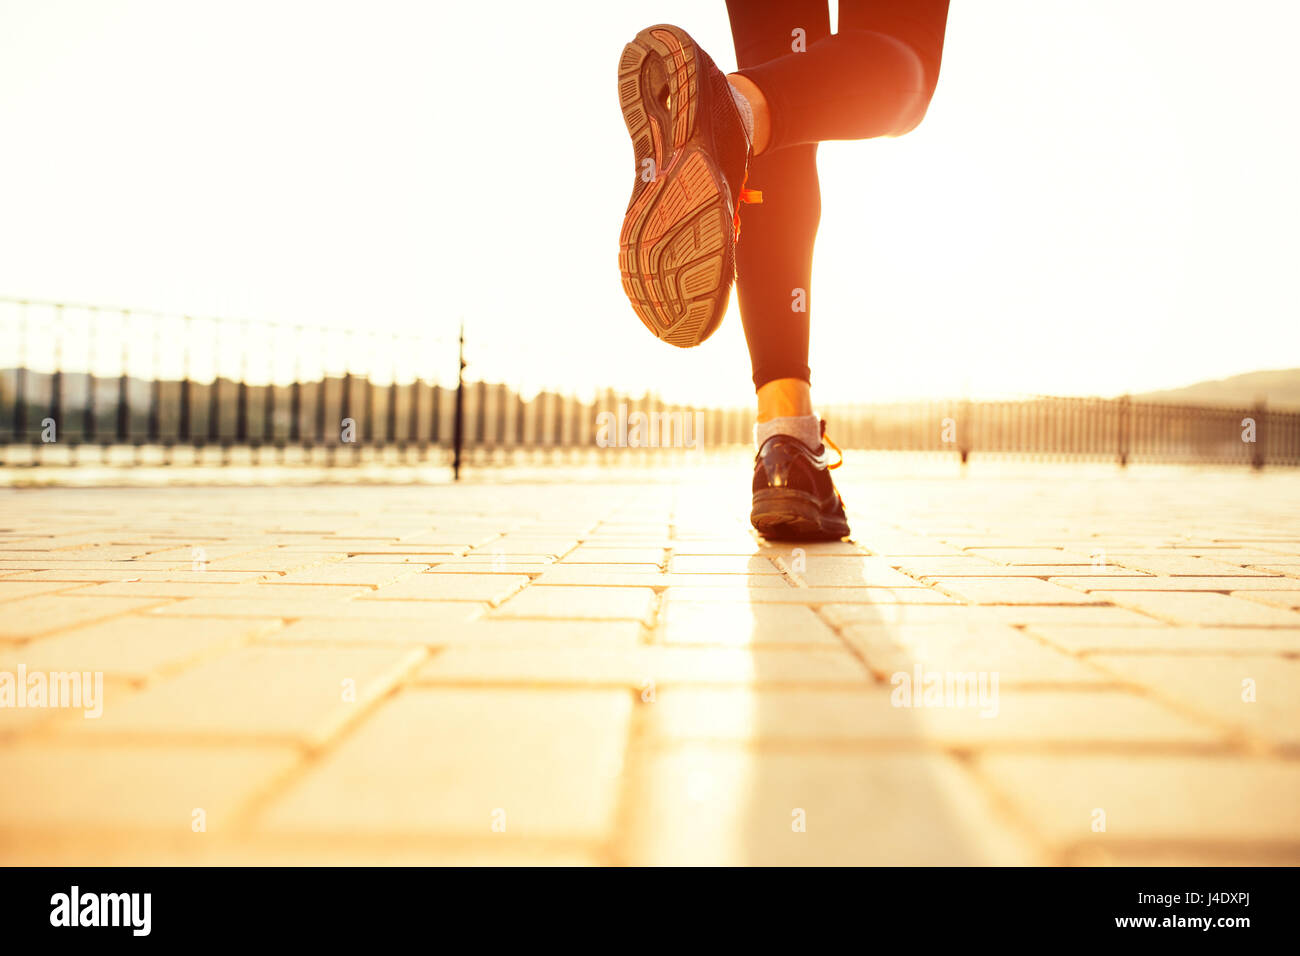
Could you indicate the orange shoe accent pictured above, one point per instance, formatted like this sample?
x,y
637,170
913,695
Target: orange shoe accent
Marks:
x,y
827,439
747,195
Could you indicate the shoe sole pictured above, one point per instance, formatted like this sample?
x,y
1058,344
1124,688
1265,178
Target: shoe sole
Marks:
x,y
787,514
677,248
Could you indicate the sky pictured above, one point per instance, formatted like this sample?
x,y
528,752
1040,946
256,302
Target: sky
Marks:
x,y
1103,197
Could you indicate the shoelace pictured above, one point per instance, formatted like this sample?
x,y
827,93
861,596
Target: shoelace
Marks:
x,y
747,195
826,439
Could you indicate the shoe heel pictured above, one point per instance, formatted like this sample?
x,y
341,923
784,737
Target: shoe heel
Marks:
x,y
631,101
676,52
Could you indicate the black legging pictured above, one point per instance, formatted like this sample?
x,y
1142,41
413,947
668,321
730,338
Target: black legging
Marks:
x,y
860,82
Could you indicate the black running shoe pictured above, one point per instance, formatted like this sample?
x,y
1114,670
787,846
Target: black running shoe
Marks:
x,y
677,249
794,497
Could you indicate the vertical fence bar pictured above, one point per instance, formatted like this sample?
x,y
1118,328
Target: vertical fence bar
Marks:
x,y
267,437
56,379
20,377
183,424
1259,453
480,416
502,414
458,420
321,392
413,422
435,415
241,400
295,390
579,436
369,400
1123,423
155,386
123,387
345,397
89,425
392,396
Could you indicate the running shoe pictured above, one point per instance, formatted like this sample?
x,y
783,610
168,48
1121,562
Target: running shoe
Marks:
x,y
677,249
794,496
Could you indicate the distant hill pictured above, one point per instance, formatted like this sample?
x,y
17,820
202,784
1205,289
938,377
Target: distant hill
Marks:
x,y
1279,388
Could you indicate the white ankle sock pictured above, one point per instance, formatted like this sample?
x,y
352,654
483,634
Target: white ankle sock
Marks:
x,y
746,114
806,428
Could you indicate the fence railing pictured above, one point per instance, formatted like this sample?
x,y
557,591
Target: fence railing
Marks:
x,y
93,380
1120,429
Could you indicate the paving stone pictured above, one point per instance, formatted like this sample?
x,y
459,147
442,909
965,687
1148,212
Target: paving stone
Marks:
x,y
129,574
375,575
217,589
277,694
636,668
485,560
102,552
275,560
1018,555
843,571
417,561
1182,583
445,761
40,564
109,787
15,590
1192,800
994,648
512,544
206,550
1240,557
580,603
618,575
142,848
414,552
369,609
808,596
482,632
16,721
1090,639
490,567
733,624
890,716
722,564
493,588
1013,591
903,545
1071,571
42,614
1283,599
959,565
596,575
839,614
136,646
589,555
748,547
1206,609
1258,693
500,557
1290,570
723,806
1176,565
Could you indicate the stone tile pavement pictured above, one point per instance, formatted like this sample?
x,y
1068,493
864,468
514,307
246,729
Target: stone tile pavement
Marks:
x,y
1056,664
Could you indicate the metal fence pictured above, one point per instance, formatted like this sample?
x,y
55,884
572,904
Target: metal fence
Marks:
x,y
90,380
1120,429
